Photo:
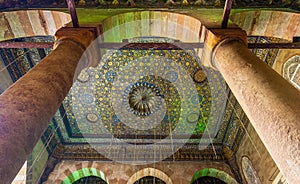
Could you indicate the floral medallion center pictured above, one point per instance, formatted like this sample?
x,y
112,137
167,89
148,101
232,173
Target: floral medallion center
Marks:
x,y
143,99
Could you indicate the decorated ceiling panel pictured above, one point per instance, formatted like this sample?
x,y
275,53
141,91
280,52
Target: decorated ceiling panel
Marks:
x,y
141,97
148,89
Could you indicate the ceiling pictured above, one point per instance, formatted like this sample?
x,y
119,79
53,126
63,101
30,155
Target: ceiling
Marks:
x,y
189,103
193,114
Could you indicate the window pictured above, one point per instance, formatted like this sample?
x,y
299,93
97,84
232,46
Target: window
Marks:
x,y
249,172
291,71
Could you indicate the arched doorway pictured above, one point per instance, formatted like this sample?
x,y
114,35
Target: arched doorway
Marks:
x,y
149,176
212,175
90,180
149,180
89,175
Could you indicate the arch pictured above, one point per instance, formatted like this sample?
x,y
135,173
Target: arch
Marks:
x,y
27,23
149,172
277,24
153,24
212,172
84,172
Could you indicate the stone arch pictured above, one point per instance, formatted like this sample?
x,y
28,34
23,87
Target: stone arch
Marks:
x,y
212,172
268,23
149,172
84,172
27,23
152,24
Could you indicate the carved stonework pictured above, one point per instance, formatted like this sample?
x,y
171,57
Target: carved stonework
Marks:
x,y
186,153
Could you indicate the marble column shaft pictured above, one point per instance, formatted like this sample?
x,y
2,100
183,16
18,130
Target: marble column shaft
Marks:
x,y
27,107
270,102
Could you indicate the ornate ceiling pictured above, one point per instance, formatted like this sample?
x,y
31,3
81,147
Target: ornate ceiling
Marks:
x,y
142,99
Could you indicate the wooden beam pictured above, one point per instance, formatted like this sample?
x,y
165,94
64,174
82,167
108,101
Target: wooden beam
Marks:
x,y
295,45
149,46
19,45
226,13
72,10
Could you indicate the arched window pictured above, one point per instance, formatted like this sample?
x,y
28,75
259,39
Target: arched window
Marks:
x,y
249,171
291,71
90,180
149,180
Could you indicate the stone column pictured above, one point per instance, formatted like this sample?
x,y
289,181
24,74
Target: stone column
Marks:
x,y
27,107
270,102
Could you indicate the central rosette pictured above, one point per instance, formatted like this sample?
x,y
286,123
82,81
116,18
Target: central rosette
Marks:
x,y
142,99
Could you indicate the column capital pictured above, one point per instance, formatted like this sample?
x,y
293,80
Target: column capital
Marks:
x,y
214,37
83,35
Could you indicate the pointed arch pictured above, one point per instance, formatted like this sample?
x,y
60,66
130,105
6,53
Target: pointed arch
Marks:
x,y
84,172
151,24
212,172
149,172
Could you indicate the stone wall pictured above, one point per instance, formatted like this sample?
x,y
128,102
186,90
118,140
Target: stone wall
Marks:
x,y
254,149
